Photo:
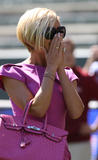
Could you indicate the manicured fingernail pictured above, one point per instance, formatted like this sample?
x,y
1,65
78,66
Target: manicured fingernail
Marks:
x,y
58,34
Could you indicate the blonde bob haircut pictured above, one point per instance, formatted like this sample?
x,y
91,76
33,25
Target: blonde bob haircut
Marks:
x,y
33,24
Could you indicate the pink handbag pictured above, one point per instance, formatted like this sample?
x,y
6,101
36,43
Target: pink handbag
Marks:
x,y
22,138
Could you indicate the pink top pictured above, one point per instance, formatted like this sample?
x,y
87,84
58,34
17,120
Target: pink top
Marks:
x,y
32,76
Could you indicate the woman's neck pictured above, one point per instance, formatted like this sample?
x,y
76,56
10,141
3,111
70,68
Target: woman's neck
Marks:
x,y
37,58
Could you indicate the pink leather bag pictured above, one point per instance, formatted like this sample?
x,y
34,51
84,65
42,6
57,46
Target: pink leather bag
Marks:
x,y
24,139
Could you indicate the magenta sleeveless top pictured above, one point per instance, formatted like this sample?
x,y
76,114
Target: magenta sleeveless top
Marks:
x,y
32,76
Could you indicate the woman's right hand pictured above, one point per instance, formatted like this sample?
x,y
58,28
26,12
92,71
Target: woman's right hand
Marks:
x,y
54,56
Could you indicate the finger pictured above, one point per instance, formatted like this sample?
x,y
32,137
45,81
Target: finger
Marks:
x,y
56,42
57,45
61,49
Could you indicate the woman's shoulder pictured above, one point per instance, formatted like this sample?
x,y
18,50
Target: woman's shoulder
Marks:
x,y
18,66
10,65
12,71
71,75
21,71
10,68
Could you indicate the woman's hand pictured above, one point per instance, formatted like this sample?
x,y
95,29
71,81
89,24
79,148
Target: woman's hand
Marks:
x,y
54,57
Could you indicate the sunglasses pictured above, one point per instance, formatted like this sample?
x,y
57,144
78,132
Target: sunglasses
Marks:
x,y
49,34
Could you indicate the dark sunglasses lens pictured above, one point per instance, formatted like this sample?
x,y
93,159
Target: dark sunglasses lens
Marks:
x,y
62,29
50,33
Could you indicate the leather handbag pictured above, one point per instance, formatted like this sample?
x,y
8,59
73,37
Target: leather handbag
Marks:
x,y
22,138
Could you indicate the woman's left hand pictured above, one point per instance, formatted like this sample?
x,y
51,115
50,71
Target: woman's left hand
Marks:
x,y
64,61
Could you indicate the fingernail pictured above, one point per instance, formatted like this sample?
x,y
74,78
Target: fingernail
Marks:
x,y
58,34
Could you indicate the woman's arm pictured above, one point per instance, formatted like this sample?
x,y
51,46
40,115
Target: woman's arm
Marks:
x,y
20,94
71,97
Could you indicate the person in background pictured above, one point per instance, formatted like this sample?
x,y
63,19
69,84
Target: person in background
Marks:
x,y
93,107
92,116
92,59
43,76
79,130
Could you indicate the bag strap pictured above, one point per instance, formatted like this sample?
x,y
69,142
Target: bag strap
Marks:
x,y
26,110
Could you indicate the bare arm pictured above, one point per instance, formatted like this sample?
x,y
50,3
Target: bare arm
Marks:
x,y
20,94
71,97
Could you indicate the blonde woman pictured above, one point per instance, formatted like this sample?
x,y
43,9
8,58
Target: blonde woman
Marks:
x,y
43,76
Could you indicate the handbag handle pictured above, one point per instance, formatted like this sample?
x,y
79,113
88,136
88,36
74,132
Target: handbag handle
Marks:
x,y
26,110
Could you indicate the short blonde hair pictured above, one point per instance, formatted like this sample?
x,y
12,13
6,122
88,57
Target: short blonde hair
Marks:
x,y
32,26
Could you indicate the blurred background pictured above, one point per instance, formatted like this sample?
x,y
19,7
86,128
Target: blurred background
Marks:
x,y
80,17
